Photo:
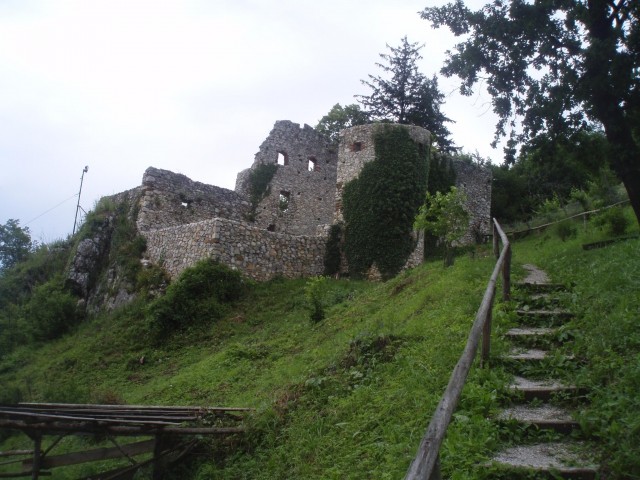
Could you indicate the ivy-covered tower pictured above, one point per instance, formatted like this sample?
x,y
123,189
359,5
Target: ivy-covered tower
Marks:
x,y
381,183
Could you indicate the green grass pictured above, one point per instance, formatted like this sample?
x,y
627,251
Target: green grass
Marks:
x,y
355,388
351,395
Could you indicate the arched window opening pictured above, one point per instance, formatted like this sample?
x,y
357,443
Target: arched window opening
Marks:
x,y
313,164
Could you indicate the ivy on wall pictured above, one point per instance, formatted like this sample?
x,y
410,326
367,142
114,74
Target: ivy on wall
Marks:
x,y
259,179
442,175
332,252
380,205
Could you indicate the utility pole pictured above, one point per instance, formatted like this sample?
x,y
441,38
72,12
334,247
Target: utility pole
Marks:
x,y
78,207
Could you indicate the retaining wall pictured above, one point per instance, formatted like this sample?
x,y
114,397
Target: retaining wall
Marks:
x,y
257,253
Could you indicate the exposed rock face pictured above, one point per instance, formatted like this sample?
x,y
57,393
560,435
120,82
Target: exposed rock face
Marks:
x,y
88,258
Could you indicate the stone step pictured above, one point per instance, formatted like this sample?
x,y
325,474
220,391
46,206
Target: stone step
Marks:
x,y
523,354
530,332
547,317
556,313
556,460
540,300
539,287
540,389
546,416
533,337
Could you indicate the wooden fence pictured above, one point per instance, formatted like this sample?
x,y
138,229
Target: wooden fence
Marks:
x,y
426,464
166,425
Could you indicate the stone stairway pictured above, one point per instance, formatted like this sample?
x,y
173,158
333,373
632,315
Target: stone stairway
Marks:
x,y
550,437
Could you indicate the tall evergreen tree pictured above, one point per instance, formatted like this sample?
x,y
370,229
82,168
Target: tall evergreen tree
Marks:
x,y
405,95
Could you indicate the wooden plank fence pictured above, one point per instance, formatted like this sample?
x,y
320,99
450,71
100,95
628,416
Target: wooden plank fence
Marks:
x,y
166,425
426,464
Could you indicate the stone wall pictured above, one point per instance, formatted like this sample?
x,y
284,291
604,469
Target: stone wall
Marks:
x,y
302,191
257,253
170,199
475,181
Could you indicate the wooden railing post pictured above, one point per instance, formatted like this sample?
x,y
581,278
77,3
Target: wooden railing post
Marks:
x,y
506,275
486,337
37,452
496,241
435,473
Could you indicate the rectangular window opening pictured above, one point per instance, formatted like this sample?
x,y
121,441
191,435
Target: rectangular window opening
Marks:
x,y
285,198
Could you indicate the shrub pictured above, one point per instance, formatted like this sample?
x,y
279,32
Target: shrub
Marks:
x,y
565,230
314,296
198,296
613,221
51,310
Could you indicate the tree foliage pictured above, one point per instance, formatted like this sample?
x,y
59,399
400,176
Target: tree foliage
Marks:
x,y
556,65
444,216
15,244
405,95
551,168
339,118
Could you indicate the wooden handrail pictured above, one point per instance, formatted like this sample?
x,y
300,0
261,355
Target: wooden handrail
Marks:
x,y
426,464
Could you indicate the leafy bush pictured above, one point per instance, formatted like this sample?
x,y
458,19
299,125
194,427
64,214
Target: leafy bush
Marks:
x,y
197,297
51,310
444,216
565,230
613,221
549,207
314,293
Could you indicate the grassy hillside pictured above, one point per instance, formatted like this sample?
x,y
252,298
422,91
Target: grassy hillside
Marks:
x,y
350,396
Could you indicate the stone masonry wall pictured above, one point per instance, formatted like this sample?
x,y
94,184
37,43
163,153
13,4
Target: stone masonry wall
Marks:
x,y
475,181
170,199
257,253
302,191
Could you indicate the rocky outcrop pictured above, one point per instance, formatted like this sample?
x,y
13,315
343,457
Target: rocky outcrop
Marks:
x,y
89,257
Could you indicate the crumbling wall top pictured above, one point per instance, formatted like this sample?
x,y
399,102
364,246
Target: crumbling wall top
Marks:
x,y
170,199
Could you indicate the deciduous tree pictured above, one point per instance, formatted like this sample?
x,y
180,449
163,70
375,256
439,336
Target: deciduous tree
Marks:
x,y
444,215
15,243
339,118
557,66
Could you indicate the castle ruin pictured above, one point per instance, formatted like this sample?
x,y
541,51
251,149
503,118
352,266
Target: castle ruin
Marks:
x,y
285,232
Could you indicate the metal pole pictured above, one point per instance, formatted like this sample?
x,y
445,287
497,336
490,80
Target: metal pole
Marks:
x,y
75,221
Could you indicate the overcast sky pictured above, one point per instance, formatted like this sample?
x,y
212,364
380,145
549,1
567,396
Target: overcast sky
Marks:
x,y
191,86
